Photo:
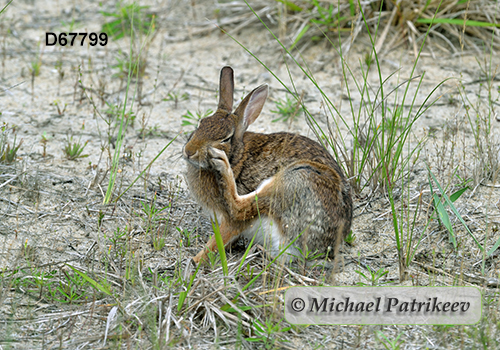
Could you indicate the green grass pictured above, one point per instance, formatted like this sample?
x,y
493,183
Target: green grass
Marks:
x,y
287,109
373,279
8,150
136,282
74,149
192,119
319,19
127,20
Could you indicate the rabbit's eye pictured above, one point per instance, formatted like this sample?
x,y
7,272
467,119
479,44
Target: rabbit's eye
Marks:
x,y
227,140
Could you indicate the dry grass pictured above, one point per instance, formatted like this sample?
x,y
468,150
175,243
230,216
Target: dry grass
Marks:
x,y
77,274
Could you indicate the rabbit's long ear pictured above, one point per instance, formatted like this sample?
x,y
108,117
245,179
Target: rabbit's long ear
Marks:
x,y
250,108
226,88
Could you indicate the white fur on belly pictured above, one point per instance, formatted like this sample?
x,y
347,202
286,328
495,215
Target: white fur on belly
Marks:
x,y
269,235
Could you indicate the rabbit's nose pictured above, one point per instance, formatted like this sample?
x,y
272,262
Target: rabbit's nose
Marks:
x,y
188,153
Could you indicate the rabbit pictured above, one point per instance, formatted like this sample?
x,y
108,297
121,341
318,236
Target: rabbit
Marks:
x,y
276,186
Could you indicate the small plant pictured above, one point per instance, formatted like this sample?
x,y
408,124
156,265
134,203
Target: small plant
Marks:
x,y
286,109
350,238
127,19
305,255
8,153
136,69
60,71
158,239
441,208
151,131
190,119
70,288
187,288
113,112
154,224
266,333
249,273
186,236
373,279
44,140
175,97
387,343
118,242
35,67
213,259
326,18
74,150
60,111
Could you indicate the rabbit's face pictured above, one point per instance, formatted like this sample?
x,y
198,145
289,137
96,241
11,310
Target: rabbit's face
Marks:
x,y
216,131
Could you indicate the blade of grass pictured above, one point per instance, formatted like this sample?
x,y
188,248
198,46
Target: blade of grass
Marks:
x,y
122,128
92,282
458,22
183,294
453,209
7,5
147,167
247,251
220,245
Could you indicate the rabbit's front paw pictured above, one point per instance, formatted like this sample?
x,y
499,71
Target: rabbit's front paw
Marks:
x,y
219,160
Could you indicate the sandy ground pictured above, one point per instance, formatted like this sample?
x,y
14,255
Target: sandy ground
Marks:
x,y
52,205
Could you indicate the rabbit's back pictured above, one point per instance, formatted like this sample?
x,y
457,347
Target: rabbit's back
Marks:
x,y
263,155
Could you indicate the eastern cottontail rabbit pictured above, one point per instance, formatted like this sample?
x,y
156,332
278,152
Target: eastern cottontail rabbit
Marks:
x,y
298,185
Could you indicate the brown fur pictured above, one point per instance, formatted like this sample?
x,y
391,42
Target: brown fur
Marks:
x,y
305,187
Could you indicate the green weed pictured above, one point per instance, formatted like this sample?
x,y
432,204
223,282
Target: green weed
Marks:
x,y
155,225
305,256
74,149
389,344
190,119
127,19
60,111
176,97
8,152
124,68
267,333
44,139
187,288
441,208
287,109
374,278
186,236
350,238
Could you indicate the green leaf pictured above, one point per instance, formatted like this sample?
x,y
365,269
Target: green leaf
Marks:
x,y
255,339
291,5
453,209
457,194
495,247
92,282
456,21
220,246
241,308
445,219
301,34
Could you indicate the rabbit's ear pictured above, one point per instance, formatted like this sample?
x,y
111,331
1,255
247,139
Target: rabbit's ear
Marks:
x,y
250,108
226,88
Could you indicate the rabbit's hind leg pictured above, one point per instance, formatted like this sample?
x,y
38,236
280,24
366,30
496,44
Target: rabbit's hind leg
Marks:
x,y
228,233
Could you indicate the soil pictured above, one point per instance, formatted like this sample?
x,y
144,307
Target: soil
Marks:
x,y
51,207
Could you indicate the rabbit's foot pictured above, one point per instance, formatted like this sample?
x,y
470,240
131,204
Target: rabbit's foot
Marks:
x,y
219,160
